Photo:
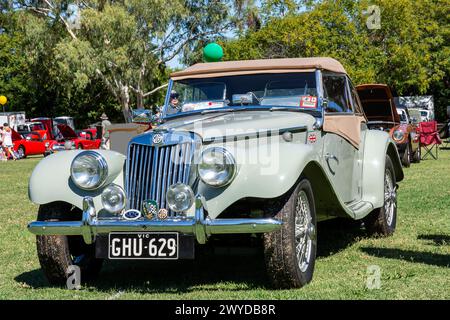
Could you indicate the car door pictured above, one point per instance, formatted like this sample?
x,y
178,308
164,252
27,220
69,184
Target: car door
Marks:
x,y
340,155
358,161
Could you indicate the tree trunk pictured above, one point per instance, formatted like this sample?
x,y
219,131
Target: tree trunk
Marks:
x,y
140,99
125,102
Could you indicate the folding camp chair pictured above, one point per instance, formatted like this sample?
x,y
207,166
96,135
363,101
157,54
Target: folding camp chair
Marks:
x,y
429,138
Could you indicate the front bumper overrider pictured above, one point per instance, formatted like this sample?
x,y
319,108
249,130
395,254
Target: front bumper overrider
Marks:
x,y
199,225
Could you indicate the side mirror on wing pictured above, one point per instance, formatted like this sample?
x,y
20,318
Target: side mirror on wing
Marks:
x,y
141,116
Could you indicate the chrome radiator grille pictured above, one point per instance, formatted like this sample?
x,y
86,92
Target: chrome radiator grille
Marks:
x,y
152,169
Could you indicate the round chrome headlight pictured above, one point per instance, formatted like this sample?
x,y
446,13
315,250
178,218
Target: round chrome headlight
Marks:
x,y
398,135
180,197
217,167
113,198
88,170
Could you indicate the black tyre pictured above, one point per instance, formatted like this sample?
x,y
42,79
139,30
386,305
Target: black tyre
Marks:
x,y
406,159
290,252
57,253
382,221
418,154
21,152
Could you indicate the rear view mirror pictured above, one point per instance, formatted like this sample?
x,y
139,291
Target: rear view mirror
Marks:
x,y
141,116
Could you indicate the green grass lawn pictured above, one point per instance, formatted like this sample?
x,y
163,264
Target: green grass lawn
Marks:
x,y
414,263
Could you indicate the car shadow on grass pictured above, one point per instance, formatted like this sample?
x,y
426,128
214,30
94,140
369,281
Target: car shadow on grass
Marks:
x,y
207,272
436,239
435,259
227,268
337,234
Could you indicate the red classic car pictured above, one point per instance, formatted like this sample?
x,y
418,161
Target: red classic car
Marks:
x,y
378,104
31,144
83,141
38,127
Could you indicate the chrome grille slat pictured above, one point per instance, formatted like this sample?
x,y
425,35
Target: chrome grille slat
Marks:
x,y
175,163
143,169
159,174
140,185
187,163
154,172
151,170
133,174
164,176
180,165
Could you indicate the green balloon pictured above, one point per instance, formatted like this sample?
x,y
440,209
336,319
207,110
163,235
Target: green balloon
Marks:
x,y
212,52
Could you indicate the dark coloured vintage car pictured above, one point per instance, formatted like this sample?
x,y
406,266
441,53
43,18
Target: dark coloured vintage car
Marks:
x,y
378,104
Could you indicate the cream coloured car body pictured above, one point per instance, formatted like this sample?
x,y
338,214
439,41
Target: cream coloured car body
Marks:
x,y
273,148
51,181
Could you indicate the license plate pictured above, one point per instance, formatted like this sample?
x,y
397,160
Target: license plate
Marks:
x,y
143,245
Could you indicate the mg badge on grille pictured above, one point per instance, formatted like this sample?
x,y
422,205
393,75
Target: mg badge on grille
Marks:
x,y
158,138
150,208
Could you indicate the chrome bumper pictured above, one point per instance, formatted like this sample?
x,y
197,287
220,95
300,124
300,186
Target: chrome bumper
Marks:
x,y
199,226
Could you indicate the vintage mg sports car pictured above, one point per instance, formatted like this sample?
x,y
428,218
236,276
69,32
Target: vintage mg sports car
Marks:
x,y
266,148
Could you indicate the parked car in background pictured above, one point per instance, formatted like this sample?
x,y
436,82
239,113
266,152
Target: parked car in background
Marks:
x,y
83,141
378,104
92,132
48,124
414,116
425,115
31,144
68,121
29,127
260,148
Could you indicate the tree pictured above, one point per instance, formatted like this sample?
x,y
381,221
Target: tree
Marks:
x,y
14,64
126,43
409,52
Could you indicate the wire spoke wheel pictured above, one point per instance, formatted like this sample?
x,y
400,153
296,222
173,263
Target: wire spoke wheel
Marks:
x,y
390,197
303,231
290,252
382,221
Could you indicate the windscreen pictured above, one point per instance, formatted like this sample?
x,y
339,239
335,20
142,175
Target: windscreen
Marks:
x,y
296,90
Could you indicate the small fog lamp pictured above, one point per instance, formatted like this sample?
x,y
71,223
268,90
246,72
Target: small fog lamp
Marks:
x,y
113,198
180,197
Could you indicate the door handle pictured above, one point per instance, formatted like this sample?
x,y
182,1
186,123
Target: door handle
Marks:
x,y
329,156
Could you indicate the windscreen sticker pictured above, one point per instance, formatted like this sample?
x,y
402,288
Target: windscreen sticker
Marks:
x,y
201,105
308,102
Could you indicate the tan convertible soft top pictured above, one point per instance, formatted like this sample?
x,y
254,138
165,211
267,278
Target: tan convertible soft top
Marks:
x,y
242,67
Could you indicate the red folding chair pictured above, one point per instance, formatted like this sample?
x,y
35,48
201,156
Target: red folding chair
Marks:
x,y
429,138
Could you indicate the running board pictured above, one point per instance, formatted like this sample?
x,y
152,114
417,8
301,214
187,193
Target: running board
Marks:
x,y
360,209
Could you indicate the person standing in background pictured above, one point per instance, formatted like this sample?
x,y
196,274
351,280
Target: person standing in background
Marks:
x,y
3,156
7,140
105,132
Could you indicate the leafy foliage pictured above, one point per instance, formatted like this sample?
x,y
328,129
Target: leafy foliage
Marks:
x,y
115,57
409,52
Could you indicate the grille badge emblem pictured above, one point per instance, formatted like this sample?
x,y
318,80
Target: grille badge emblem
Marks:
x,y
162,214
158,138
131,214
150,208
